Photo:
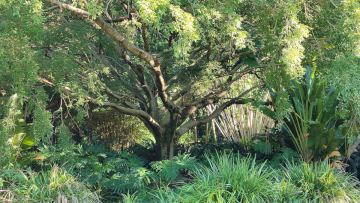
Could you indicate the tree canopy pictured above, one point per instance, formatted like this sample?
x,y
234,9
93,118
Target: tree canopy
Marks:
x,y
164,61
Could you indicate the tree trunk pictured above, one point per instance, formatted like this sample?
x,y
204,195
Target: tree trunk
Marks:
x,y
167,149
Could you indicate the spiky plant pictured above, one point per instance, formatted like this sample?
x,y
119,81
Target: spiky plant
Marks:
x,y
169,170
314,126
230,178
129,198
317,182
54,185
241,123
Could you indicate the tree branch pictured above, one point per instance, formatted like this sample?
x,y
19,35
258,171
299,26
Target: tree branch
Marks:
x,y
140,53
192,123
121,98
134,112
211,97
237,100
139,72
116,20
144,36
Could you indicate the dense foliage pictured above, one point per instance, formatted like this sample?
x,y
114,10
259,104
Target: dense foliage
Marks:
x,y
232,178
179,101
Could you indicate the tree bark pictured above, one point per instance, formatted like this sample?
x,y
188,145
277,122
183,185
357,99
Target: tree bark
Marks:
x,y
167,149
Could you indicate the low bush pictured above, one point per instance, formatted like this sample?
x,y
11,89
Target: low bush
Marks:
x,y
170,170
55,185
109,172
221,177
317,182
230,177
114,174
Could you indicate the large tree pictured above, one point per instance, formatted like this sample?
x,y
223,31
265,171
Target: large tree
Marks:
x,y
165,60
160,61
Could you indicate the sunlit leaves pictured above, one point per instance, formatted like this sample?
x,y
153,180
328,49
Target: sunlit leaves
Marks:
x,y
42,126
237,34
352,24
151,10
21,17
344,74
18,69
13,112
171,19
9,129
185,25
294,34
222,28
94,8
20,24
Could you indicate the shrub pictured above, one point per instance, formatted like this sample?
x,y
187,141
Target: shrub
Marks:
x,y
119,131
112,173
171,169
317,182
55,185
314,126
230,178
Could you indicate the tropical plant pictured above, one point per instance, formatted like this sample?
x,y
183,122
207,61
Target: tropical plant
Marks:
x,y
315,128
171,169
284,156
109,172
160,195
129,198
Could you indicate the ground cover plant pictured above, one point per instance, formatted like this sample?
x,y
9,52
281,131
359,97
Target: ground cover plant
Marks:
x,y
55,185
228,177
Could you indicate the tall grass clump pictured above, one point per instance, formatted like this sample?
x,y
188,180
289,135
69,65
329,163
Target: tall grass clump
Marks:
x,y
317,182
54,185
230,178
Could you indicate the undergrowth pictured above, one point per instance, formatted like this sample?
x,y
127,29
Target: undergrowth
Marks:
x,y
219,177
228,177
55,185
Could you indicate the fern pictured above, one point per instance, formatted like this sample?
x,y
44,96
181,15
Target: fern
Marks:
x,y
169,170
284,156
263,148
